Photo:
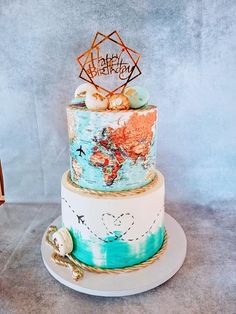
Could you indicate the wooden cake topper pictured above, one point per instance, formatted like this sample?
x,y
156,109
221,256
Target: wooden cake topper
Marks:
x,y
108,64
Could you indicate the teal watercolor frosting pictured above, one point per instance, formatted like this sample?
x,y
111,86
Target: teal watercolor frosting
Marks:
x,y
117,253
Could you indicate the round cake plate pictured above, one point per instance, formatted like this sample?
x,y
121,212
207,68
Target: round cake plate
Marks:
x,y
116,285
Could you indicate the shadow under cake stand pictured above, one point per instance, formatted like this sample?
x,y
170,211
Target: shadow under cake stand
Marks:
x,y
114,285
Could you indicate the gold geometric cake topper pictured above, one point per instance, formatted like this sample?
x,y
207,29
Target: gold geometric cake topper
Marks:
x,y
109,64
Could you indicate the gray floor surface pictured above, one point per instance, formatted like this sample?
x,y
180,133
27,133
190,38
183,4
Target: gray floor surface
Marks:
x,y
206,283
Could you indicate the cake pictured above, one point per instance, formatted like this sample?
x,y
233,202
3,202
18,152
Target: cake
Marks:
x,y
112,196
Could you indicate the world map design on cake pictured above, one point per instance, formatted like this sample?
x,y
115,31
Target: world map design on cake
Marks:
x,y
115,146
110,146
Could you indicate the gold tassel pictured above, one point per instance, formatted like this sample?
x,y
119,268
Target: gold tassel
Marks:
x,y
77,272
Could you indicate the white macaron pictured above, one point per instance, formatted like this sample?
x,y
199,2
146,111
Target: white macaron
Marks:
x,y
63,241
96,101
83,89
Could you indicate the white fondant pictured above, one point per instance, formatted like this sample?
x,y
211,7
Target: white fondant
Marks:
x,y
132,216
63,241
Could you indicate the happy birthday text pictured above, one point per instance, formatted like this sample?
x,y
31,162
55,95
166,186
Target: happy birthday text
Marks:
x,y
110,64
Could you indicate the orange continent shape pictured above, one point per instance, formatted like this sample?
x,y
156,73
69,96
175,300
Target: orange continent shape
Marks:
x,y
136,135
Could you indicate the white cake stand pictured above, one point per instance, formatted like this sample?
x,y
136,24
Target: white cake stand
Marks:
x,y
114,285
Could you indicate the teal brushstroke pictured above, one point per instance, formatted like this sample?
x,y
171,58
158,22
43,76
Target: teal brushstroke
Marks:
x,y
117,253
81,248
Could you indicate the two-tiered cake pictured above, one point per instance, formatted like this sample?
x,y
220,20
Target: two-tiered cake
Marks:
x,y
112,196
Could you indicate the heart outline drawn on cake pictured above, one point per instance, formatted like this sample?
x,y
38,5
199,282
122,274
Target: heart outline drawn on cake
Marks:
x,y
117,222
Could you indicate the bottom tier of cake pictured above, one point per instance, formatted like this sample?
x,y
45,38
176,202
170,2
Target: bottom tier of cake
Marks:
x,y
114,230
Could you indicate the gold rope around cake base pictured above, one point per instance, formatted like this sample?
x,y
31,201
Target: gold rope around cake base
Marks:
x,y
114,194
77,267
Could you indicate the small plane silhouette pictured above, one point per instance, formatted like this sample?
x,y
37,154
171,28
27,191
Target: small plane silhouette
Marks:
x,y
81,151
80,220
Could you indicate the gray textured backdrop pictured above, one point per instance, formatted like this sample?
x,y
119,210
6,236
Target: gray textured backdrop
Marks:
x,y
189,66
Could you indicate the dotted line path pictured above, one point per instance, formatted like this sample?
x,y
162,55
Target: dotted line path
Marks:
x,y
115,222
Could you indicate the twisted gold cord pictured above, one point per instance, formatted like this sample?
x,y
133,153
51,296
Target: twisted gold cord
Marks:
x,y
113,194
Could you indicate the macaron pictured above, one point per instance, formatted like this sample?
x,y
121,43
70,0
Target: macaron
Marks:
x,y
118,102
63,241
80,102
82,90
96,101
138,96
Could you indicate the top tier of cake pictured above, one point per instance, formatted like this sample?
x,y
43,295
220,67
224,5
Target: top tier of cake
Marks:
x,y
112,150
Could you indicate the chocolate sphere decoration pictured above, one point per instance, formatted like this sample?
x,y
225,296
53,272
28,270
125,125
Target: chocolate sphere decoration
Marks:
x,y
118,102
96,101
138,96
